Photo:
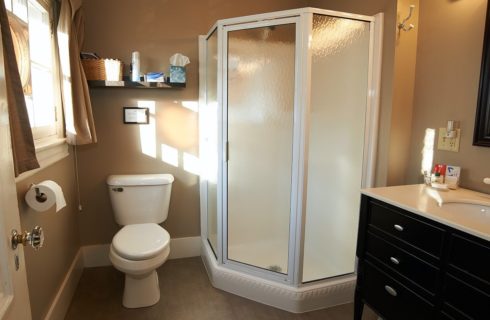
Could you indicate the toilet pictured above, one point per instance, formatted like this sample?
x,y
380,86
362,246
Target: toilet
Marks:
x,y
140,203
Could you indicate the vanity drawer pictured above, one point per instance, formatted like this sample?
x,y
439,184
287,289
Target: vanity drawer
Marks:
x,y
415,232
473,303
410,266
444,316
395,300
470,256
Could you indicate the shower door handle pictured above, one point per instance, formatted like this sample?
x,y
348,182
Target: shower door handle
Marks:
x,y
227,151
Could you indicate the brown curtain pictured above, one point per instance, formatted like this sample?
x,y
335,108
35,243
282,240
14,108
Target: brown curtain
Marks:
x,y
77,108
23,149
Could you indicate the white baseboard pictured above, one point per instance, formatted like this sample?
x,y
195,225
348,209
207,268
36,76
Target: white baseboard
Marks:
x,y
185,247
98,255
62,300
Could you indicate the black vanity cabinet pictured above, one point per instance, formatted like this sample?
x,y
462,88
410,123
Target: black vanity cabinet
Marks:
x,y
413,268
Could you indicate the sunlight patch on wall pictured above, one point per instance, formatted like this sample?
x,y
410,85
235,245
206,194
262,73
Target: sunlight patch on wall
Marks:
x,y
428,150
191,163
148,139
170,155
191,105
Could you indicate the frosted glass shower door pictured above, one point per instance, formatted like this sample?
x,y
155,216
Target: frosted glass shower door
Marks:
x,y
338,103
260,90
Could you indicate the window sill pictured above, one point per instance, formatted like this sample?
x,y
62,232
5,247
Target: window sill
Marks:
x,y
48,152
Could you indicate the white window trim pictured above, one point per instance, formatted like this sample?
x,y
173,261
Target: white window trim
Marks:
x,y
48,152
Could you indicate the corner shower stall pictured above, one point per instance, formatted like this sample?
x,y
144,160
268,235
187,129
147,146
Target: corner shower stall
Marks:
x,y
288,126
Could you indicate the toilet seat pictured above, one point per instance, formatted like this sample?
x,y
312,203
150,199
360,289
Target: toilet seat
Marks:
x,y
140,241
138,267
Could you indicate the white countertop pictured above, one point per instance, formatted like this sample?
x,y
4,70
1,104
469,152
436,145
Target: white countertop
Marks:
x,y
440,206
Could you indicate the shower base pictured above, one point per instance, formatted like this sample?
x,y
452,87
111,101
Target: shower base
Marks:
x,y
308,297
273,255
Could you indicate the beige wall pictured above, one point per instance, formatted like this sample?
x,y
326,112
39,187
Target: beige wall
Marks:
x,y
372,7
449,52
47,267
403,91
157,29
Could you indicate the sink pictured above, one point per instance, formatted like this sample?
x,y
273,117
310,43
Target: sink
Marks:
x,y
467,208
462,202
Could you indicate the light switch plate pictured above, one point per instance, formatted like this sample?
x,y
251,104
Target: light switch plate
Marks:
x,y
448,144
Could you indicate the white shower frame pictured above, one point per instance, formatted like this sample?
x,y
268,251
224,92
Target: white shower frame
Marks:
x,y
303,20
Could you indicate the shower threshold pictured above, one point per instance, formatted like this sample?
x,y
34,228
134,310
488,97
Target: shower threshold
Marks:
x,y
308,297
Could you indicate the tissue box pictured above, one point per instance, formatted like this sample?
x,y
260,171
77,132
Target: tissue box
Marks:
x,y
453,174
177,74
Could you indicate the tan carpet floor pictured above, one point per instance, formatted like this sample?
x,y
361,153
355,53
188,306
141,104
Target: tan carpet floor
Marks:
x,y
186,294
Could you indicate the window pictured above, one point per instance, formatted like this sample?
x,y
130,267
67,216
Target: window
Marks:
x,y
34,43
34,47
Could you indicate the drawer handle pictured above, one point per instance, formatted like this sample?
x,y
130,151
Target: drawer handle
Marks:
x,y
394,260
398,227
391,291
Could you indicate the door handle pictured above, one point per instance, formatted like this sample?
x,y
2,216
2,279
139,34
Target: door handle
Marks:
x,y
35,238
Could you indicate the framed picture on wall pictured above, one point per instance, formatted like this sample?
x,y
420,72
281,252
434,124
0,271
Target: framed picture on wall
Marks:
x,y
136,115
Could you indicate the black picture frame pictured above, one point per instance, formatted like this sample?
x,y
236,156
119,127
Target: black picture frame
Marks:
x,y
481,135
136,115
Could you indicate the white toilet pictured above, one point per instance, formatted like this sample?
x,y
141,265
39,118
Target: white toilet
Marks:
x,y
140,203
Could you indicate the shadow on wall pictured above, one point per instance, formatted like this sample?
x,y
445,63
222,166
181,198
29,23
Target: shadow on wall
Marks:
x,y
166,152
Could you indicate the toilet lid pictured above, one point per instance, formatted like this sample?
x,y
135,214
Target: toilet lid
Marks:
x,y
140,241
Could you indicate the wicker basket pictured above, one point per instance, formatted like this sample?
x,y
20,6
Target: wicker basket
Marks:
x,y
103,69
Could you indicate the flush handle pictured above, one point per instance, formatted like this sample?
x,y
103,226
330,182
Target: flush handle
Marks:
x,y
118,189
394,260
398,227
391,291
35,238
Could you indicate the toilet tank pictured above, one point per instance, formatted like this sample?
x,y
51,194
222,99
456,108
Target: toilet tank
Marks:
x,y
142,198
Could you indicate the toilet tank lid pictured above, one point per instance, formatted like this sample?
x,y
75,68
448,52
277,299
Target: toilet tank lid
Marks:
x,y
139,179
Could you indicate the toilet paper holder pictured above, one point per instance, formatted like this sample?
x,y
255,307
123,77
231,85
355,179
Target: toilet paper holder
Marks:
x,y
40,196
43,195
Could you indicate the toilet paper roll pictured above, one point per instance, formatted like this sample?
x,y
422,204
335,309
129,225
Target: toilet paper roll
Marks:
x,y
53,195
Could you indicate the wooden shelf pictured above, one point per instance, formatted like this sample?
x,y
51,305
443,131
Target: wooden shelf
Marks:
x,y
133,84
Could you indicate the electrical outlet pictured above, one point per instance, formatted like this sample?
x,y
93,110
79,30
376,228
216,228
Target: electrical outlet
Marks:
x,y
448,144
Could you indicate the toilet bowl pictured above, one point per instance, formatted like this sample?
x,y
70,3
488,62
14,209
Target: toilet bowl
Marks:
x,y
140,203
137,250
